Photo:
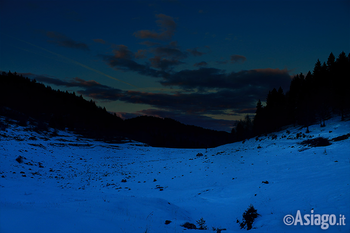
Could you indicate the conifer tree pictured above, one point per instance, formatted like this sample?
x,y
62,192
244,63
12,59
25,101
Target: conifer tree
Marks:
x,y
330,63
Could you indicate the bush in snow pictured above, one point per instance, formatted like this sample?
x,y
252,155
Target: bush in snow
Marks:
x,y
19,159
340,138
167,222
189,225
201,224
248,218
320,141
219,230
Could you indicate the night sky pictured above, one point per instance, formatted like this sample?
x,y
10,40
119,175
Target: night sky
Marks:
x,y
204,63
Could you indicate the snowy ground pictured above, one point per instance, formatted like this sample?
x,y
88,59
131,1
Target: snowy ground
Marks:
x,y
70,184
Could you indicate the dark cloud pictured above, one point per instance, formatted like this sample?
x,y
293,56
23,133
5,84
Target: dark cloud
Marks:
x,y
169,51
101,41
234,59
262,80
123,52
216,90
64,41
209,103
195,52
163,63
126,64
167,27
123,59
199,64
190,79
237,58
194,103
221,62
141,53
46,79
101,93
75,82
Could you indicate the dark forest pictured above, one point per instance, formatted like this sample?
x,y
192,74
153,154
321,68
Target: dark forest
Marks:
x,y
313,98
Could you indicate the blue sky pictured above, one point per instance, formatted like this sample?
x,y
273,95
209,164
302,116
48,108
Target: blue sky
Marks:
x,y
204,63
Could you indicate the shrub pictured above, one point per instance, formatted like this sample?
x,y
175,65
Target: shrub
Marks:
x,y
189,225
19,159
248,218
340,138
201,224
167,222
320,141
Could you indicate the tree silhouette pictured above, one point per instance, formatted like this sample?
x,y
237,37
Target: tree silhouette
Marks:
x,y
310,98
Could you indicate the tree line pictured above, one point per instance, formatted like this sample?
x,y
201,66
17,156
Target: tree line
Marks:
x,y
311,98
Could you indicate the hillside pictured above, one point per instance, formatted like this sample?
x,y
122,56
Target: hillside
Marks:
x,y
61,182
26,100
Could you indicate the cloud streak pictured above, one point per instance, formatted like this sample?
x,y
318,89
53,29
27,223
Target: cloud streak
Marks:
x,y
73,61
64,41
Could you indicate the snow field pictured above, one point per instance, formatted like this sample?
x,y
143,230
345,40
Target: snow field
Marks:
x,y
71,184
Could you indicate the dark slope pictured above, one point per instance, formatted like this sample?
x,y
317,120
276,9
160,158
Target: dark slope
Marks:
x,y
24,99
170,133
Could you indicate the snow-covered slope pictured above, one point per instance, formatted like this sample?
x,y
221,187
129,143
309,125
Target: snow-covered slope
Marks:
x,y
70,184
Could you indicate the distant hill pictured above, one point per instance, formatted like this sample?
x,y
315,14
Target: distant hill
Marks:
x,y
170,133
26,100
